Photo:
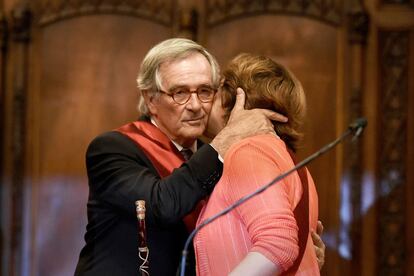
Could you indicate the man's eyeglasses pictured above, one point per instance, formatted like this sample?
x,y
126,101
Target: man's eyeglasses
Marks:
x,y
181,95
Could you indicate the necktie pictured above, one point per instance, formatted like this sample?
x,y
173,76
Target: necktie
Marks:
x,y
187,153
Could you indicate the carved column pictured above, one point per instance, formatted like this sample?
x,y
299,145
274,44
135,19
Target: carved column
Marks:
x,y
3,49
20,37
358,22
188,24
392,149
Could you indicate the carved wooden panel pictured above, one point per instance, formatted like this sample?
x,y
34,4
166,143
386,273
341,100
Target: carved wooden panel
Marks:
x,y
396,1
392,185
220,11
3,50
291,41
71,67
83,82
20,23
352,175
158,11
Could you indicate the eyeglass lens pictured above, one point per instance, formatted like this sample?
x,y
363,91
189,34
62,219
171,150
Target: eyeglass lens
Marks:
x,y
182,95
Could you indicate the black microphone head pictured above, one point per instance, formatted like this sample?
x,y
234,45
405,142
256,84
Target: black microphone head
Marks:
x,y
358,123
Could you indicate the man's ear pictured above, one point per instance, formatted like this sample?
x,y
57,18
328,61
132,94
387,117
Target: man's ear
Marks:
x,y
150,99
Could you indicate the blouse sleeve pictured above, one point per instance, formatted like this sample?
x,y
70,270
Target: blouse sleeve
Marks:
x,y
268,216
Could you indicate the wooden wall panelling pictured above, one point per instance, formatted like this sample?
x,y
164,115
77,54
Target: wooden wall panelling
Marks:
x,y
368,246
17,86
396,1
357,30
3,50
84,57
310,40
394,28
410,159
75,78
392,161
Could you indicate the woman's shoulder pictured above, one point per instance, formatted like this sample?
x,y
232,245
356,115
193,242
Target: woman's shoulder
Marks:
x,y
261,142
260,150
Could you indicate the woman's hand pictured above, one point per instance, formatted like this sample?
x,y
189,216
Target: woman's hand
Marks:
x,y
319,245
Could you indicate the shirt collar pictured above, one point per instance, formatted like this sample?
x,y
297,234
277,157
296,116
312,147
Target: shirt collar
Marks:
x,y
193,148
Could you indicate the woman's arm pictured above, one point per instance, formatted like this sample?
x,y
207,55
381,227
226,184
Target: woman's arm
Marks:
x,y
268,217
255,264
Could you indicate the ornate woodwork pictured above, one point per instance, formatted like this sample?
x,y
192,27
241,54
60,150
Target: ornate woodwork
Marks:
x,y
159,11
220,11
20,24
3,49
358,25
21,18
188,24
352,167
393,110
185,18
236,17
3,32
31,240
396,1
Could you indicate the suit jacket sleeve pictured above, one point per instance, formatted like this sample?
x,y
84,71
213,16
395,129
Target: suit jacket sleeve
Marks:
x,y
119,174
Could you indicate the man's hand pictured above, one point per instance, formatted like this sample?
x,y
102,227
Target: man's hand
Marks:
x,y
319,245
244,123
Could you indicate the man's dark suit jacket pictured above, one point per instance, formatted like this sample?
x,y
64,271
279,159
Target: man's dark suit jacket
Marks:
x,y
119,174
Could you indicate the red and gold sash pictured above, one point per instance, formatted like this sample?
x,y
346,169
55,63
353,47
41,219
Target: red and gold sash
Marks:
x,y
155,144
162,153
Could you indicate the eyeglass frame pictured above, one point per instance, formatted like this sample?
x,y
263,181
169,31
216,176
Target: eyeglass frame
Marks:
x,y
190,91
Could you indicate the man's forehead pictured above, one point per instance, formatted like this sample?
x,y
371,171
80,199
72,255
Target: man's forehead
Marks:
x,y
173,60
192,70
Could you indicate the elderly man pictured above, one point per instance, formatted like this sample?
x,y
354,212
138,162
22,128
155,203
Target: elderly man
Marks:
x,y
142,160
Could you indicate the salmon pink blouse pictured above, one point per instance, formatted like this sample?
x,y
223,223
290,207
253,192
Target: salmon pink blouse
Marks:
x,y
265,223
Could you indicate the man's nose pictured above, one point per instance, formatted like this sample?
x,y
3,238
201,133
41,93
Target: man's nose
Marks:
x,y
194,102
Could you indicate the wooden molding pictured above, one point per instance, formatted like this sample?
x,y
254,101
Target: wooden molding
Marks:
x,y
3,33
21,18
220,11
188,24
160,12
358,25
392,182
397,2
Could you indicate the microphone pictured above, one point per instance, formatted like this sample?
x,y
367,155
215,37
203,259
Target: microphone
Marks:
x,y
354,128
358,126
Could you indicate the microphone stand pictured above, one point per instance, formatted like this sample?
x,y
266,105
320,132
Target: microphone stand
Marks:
x,y
355,128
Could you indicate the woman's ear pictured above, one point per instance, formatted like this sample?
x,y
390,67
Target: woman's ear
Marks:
x,y
150,99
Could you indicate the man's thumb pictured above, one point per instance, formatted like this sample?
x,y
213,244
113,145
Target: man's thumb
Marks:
x,y
240,99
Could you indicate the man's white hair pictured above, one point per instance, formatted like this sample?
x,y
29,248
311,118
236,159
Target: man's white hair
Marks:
x,y
149,78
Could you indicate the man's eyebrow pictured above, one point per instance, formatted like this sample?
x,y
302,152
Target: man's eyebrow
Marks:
x,y
174,87
178,86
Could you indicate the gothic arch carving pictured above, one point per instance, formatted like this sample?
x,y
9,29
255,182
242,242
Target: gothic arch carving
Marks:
x,y
160,11
221,11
